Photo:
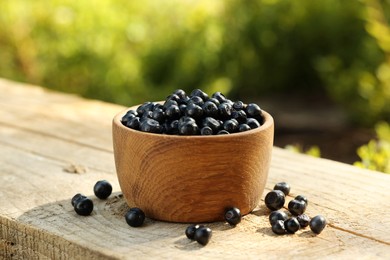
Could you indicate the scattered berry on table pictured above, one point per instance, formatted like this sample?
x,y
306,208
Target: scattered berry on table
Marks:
x,y
291,225
76,198
190,230
301,197
83,206
274,199
303,220
278,227
283,186
277,215
297,207
203,235
135,217
233,216
102,189
317,224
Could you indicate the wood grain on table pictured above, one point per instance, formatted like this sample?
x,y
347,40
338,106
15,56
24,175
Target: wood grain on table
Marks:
x,y
54,145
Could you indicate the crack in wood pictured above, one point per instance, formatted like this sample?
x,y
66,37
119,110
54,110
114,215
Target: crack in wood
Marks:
x,y
358,234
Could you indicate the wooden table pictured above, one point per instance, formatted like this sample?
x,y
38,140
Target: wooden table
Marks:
x,y
54,145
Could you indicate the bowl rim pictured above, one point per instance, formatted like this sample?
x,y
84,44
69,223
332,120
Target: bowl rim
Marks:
x,y
268,122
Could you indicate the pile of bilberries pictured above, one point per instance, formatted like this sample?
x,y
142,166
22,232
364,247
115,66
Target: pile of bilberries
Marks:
x,y
194,114
281,222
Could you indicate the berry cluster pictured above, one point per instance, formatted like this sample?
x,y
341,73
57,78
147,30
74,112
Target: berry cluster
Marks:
x,y
199,233
202,234
194,114
83,205
281,222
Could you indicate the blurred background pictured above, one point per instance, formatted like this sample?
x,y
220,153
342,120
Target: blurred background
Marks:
x,y
322,68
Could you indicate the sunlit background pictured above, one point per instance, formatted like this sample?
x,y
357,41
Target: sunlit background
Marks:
x,y
330,52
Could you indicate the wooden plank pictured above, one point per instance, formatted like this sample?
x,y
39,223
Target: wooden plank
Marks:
x,y
37,220
48,226
66,117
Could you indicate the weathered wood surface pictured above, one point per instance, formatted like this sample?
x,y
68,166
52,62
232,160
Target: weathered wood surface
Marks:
x,y
45,136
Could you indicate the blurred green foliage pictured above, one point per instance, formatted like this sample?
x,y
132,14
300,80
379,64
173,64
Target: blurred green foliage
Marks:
x,y
132,51
376,154
312,150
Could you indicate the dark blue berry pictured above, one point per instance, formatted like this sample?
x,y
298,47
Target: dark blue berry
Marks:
x,y
172,127
238,105
147,106
196,100
283,186
215,101
182,108
77,197
135,217
199,93
203,235
181,93
212,123
134,123
83,206
239,115
301,197
150,125
128,116
210,109
297,207
190,231
194,110
233,216
170,102
188,128
243,128
219,96
278,227
277,215
253,123
303,220
225,110
186,119
146,115
173,112
274,199
206,130
317,224
230,125
174,97
291,225
253,110
158,115
102,189
223,132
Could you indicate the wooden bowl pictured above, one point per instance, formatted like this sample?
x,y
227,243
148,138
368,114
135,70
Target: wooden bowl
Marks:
x,y
192,179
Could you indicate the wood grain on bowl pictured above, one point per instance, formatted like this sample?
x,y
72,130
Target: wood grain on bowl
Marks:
x,y
192,178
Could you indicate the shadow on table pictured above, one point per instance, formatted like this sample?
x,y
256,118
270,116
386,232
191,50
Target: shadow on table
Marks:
x,y
106,230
